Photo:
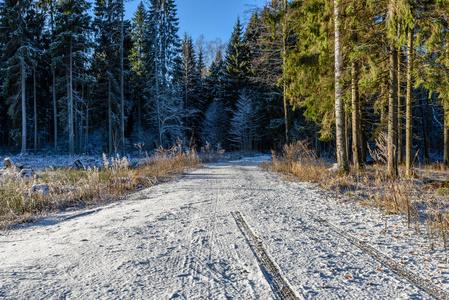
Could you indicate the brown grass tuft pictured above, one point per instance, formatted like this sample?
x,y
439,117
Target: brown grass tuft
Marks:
x,y
300,160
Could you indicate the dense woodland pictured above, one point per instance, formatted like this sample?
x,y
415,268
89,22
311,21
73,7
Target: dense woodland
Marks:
x,y
78,78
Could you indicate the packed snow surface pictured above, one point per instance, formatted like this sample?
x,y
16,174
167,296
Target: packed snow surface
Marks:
x,y
178,240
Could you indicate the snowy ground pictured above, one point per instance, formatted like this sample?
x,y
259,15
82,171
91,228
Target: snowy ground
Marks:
x,y
178,240
41,162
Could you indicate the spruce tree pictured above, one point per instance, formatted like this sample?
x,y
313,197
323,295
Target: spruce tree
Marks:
x,y
137,60
237,66
49,7
270,38
17,19
190,86
70,53
163,69
309,70
245,124
107,68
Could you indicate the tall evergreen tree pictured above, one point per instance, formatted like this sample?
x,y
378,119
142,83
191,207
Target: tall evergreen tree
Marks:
x,y
137,60
245,124
190,86
70,53
270,37
107,26
309,70
49,7
17,19
163,68
237,66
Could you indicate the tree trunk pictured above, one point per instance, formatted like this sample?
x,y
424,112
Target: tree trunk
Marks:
x,y
446,135
80,131
86,139
409,108
425,124
55,110
139,116
356,151
109,118
70,104
362,132
347,133
35,110
284,57
446,114
400,121
392,114
158,104
342,160
53,74
122,93
24,115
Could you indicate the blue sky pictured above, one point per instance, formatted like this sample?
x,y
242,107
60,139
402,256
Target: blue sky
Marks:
x,y
212,18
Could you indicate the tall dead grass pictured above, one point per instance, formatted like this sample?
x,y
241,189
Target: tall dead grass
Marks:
x,y
300,160
25,199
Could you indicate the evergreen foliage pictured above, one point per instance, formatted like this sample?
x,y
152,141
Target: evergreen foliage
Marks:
x,y
78,84
20,29
162,46
245,124
190,87
237,60
70,48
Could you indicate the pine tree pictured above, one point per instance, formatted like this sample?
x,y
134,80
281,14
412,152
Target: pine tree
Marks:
x,y
163,69
245,124
309,71
17,19
270,38
107,65
49,7
137,59
237,66
70,49
201,64
215,124
190,86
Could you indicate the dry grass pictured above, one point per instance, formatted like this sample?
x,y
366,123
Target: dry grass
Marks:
x,y
299,160
424,200
209,154
25,199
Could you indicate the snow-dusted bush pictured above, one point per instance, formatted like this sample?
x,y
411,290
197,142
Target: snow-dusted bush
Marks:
x,y
215,124
245,124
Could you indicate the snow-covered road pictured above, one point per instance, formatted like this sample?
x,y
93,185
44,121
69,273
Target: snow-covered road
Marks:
x,y
178,240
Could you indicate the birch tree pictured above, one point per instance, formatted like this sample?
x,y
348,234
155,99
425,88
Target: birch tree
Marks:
x,y
342,160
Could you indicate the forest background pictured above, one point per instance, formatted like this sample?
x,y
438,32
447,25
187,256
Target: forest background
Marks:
x,y
78,78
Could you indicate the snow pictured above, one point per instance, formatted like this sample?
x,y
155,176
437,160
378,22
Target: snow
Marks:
x,y
41,162
179,240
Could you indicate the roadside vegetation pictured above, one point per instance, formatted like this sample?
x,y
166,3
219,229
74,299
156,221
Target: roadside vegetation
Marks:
x,y
23,199
422,198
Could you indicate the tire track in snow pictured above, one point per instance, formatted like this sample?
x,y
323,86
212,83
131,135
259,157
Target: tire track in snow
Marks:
x,y
321,258
271,271
221,241
398,269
